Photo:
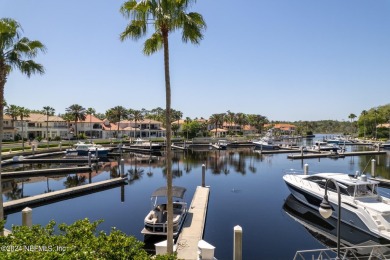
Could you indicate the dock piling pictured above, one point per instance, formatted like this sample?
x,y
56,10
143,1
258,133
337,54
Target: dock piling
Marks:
x,y
89,159
373,168
306,169
27,217
203,175
122,168
237,243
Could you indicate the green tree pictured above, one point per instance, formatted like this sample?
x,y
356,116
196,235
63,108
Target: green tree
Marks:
x,y
13,112
48,111
166,16
78,113
136,115
216,120
90,111
16,52
352,117
23,112
117,114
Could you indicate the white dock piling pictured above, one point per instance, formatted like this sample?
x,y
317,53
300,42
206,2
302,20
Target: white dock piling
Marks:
x,y
122,168
203,175
306,169
27,217
237,243
373,168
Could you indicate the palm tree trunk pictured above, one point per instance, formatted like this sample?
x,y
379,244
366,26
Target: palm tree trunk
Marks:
x,y
168,136
2,84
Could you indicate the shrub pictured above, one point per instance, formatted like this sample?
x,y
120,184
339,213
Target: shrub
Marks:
x,y
79,240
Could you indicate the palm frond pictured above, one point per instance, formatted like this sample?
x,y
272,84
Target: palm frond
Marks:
x,y
135,30
153,44
30,67
193,25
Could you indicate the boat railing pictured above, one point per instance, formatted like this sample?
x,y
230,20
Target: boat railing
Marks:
x,y
371,251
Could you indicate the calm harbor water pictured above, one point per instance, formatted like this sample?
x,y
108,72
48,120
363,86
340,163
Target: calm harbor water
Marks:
x,y
247,189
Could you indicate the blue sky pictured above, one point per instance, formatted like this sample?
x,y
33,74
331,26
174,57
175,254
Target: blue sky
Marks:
x,y
284,59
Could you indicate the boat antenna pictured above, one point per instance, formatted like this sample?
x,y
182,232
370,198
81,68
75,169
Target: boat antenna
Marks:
x,y
368,163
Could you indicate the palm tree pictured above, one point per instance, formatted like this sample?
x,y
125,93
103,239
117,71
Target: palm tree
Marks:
x,y
241,119
13,112
13,51
116,114
90,111
68,117
217,120
48,111
23,112
352,117
136,115
376,128
168,16
78,113
364,113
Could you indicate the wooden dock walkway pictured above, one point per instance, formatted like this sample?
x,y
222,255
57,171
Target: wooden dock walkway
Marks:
x,y
46,198
192,231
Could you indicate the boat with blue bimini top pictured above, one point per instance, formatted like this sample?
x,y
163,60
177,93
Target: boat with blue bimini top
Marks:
x,y
155,222
83,149
361,205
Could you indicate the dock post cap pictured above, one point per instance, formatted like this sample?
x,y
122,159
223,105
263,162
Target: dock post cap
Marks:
x,y
205,250
27,209
237,228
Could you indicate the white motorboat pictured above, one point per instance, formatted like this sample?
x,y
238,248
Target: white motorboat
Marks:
x,y
145,144
156,220
82,149
361,205
359,244
386,145
324,146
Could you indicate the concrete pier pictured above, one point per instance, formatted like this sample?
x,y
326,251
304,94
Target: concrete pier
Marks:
x,y
192,231
44,172
47,198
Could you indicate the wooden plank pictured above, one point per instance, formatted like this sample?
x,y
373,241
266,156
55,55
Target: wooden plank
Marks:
x,y
192,231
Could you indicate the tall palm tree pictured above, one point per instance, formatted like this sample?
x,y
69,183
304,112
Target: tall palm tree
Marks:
x,y
90,111
364,113
16,52
216,120
78,113
13,112
136,115
48,111
241,119
168,16
116,114
68,117
23,112
352,117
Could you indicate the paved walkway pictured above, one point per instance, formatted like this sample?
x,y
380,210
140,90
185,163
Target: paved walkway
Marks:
x,y
192,231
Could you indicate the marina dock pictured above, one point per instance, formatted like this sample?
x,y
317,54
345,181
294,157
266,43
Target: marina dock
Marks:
x,y
44,172
192,231
327,154
47,198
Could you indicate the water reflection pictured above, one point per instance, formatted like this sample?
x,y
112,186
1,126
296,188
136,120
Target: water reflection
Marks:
x,y
325,231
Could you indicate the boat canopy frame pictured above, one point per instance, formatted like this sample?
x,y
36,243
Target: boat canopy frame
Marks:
x,y
177,192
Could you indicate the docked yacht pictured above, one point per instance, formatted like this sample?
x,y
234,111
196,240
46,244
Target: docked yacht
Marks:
x,y
145,144
361,205
355,244
82,149
155,222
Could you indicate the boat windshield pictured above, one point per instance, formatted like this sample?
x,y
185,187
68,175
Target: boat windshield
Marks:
x,y
363,190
